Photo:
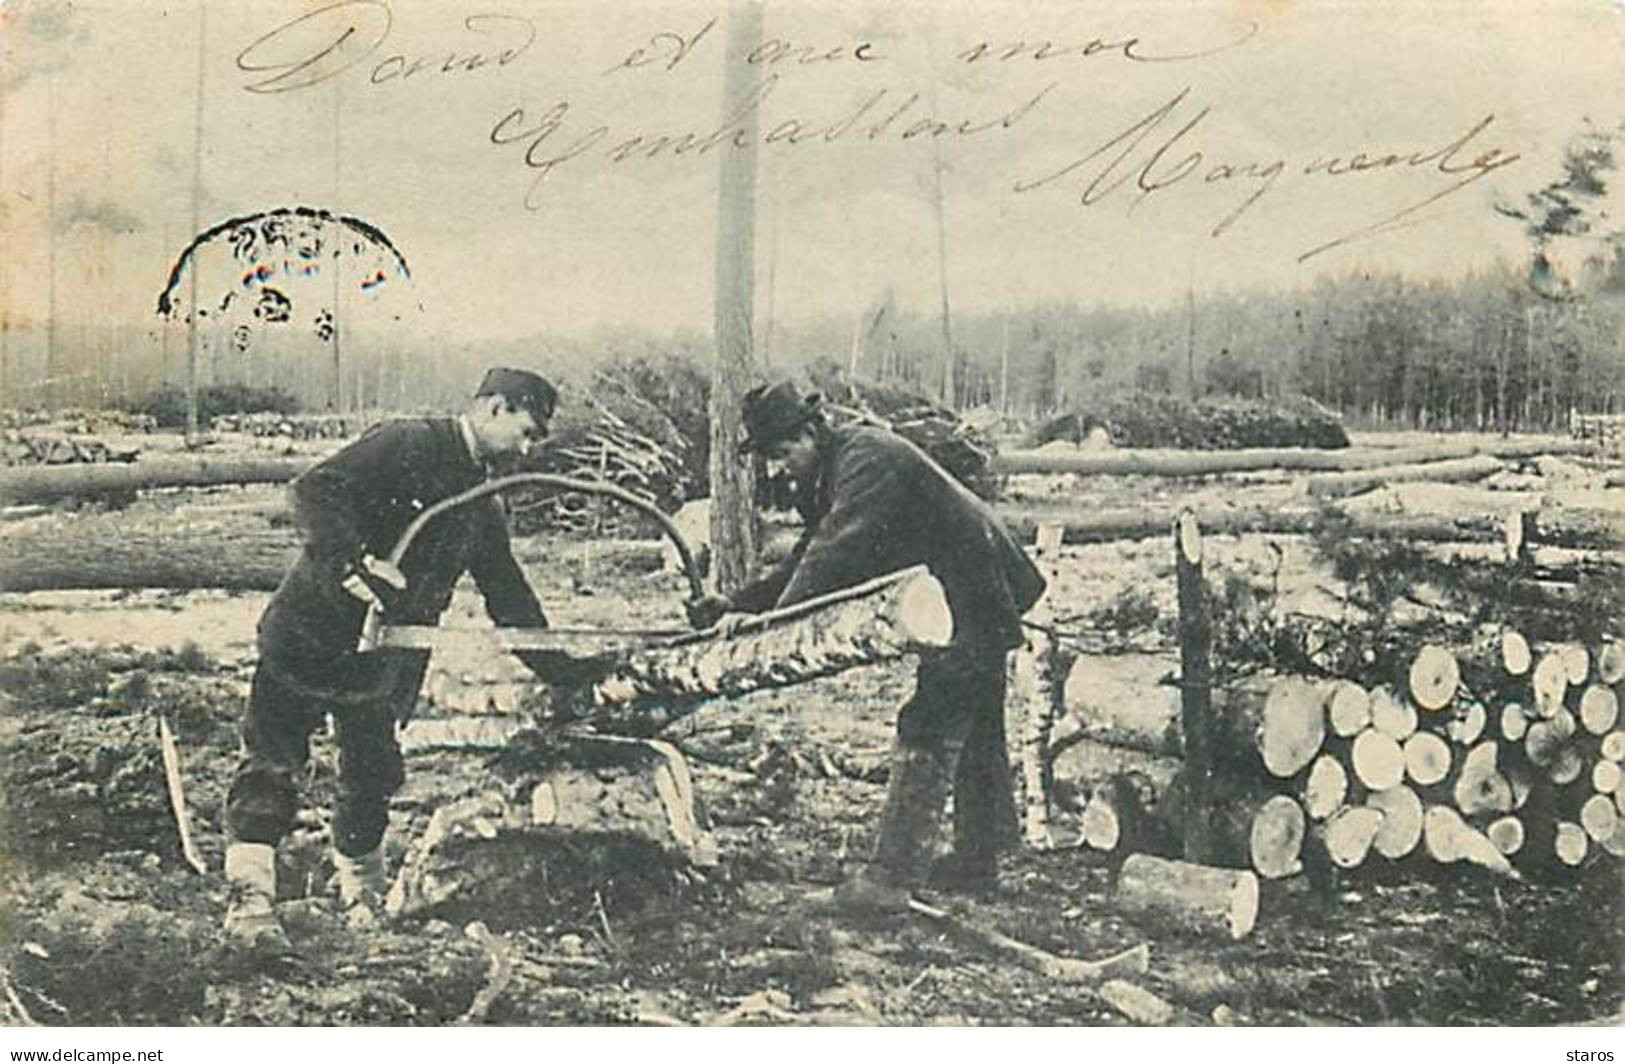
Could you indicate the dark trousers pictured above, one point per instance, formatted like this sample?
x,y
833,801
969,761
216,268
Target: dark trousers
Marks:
x,y
956,715
284,710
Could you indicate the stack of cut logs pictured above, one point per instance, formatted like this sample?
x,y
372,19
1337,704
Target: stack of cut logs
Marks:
x,y
29,449
289,426
1493,754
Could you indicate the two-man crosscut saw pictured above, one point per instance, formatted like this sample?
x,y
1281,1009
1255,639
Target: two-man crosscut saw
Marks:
x,y
376,635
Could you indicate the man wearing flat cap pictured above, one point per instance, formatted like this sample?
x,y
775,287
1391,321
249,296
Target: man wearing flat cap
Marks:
x,y
351,509
873,503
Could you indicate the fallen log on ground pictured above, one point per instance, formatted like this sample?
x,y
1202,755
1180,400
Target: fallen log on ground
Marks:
x,y
1191,898
48,483
1172,463
1337,485
1554,526
101,551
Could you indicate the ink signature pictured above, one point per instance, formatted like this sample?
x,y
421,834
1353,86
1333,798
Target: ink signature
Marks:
x,y
324,43
1133,158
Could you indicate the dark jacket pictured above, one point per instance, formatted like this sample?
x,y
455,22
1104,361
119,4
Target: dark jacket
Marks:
x,y
359,501
877,504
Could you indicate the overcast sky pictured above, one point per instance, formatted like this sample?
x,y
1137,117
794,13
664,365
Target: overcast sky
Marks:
x,y
1045,164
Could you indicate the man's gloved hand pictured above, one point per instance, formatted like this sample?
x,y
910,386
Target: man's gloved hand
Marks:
x,y
375,582
705,610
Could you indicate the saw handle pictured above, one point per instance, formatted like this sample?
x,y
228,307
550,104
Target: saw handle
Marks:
x,y
374,618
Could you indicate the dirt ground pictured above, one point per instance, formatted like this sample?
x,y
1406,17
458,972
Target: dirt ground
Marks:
x,y
103,923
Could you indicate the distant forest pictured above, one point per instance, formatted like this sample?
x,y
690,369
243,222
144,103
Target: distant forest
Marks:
x,y
1514,348
1483,353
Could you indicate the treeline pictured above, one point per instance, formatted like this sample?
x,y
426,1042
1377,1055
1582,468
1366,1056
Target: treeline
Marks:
x,y
1486,352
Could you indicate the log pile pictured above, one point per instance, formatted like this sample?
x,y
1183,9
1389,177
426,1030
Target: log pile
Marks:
x,y
31,449
268,424
1496,754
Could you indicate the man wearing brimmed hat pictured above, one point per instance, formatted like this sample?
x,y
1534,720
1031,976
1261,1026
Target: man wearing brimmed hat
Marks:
x,y
873,503
351,509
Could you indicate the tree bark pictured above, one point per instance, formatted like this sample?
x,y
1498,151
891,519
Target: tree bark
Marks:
x,y
1562,527
34,484
733,514
104,551
1337,485
1196,674
877,621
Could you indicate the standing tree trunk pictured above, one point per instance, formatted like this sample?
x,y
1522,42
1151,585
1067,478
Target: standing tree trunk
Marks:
x,y
732,482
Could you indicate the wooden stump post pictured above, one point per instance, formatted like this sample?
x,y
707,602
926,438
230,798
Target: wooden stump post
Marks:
x,y
1196,673
1035,686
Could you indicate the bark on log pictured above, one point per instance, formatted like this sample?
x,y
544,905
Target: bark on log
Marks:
x,y
1196,673
1401,828
36,484
1034,702
1196,899
1558,527
1204,463
427,735
1338,485
880,620
105,551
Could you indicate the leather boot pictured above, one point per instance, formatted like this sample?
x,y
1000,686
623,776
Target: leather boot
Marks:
x,y
251,921
906,837
362,886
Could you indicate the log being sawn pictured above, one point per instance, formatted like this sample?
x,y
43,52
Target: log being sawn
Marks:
x,y
653,678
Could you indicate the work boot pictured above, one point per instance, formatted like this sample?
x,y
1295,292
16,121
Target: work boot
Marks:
x,y
362,887
251,923
907,834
